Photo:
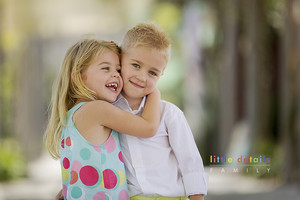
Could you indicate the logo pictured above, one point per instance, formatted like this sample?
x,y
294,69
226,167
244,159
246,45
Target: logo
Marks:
x,y
227,164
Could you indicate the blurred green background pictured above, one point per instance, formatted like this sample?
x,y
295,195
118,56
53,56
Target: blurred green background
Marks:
x,y
234,71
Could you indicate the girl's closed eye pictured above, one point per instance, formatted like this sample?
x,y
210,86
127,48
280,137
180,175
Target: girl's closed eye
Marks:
x,y
105,68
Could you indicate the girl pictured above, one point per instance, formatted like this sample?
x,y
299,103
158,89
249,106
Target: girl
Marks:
x,y
81,122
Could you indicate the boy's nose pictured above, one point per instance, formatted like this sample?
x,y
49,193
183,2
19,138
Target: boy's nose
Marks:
x,y
141,77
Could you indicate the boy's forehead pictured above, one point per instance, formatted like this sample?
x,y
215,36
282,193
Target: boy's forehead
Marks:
x,y
139,52
134,50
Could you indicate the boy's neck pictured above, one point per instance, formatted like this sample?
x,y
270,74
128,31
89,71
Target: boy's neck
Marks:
x,y
134,103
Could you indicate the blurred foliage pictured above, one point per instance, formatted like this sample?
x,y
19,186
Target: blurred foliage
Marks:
x,y
163,12
170,84
274,152
12,162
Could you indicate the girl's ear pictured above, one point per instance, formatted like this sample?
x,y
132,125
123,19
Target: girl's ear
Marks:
x,y
82,75
73,77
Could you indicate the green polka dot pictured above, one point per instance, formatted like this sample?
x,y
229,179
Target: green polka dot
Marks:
x,y
103,158
76,192
85,154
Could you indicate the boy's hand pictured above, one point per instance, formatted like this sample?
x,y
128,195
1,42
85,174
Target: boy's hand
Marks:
x,y
59,196
197,197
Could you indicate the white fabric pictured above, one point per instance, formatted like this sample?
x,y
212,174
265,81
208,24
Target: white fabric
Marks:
x,y
167,164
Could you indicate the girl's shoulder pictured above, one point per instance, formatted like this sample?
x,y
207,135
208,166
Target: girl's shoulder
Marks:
x,y
89,105
91,110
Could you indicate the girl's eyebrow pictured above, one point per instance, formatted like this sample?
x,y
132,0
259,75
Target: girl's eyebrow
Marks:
x,y
102,63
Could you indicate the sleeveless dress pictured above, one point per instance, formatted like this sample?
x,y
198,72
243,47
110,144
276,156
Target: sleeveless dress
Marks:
x,y
91,172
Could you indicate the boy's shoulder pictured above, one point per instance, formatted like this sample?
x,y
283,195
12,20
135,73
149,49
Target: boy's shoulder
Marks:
x,y
168,107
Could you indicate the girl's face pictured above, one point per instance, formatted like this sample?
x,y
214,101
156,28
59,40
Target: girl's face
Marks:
x,y
103,76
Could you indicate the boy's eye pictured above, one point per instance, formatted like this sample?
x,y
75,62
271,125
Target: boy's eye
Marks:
x,y
152,73
136,66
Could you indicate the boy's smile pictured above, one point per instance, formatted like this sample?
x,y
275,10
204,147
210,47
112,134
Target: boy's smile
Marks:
x,y
141,69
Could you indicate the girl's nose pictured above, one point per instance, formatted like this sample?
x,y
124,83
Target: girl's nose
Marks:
x,y
116,74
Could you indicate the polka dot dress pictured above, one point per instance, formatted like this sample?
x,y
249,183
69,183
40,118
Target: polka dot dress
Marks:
x,y
93,172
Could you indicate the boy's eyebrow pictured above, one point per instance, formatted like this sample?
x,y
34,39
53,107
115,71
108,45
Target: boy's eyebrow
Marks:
x,y
139,62
156,70
152,68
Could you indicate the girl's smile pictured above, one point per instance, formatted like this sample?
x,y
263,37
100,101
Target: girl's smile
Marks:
x,y
103,77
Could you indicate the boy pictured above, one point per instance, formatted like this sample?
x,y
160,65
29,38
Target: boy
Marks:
x,y
167,165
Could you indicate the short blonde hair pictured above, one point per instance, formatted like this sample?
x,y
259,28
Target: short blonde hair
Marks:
x,y
70,86
147,34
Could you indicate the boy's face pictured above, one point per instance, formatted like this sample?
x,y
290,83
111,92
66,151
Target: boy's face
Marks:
x,y
141,69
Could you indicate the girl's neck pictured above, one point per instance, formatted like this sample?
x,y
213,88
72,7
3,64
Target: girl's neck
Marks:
x,y
134,103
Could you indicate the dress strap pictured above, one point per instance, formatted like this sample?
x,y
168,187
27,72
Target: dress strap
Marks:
x,y
71,112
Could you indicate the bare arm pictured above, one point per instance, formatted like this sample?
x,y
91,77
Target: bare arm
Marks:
x,y
197,197
59,195
141,126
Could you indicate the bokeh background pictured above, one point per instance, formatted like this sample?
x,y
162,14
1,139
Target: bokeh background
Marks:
x,y
234,71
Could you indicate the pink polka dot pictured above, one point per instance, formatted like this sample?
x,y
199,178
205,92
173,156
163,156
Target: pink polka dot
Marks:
x,y
110,179
97,148
64,190
99,196
74,177
110,144
66,163
121,157
62,143
76,166
68,141
89,175
123,195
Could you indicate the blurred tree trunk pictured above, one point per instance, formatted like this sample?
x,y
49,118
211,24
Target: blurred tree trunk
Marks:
x,y
288,101
251,66
1,69
257,74
30,94
227,101
193,81
298,85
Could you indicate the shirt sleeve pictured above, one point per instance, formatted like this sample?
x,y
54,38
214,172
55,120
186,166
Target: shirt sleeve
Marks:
x,y
181,139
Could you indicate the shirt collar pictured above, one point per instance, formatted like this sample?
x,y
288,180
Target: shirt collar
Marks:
x,y
121,101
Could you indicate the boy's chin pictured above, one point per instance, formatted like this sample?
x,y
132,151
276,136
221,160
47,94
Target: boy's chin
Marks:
x,y
133,95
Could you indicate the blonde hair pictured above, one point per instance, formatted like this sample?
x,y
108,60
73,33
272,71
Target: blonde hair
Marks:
x,y
70,87
147,34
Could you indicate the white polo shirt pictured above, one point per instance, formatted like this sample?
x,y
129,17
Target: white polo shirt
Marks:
x,y
167,164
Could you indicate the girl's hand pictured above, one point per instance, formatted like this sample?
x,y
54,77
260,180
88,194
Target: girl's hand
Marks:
x,y
154,94
59,196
